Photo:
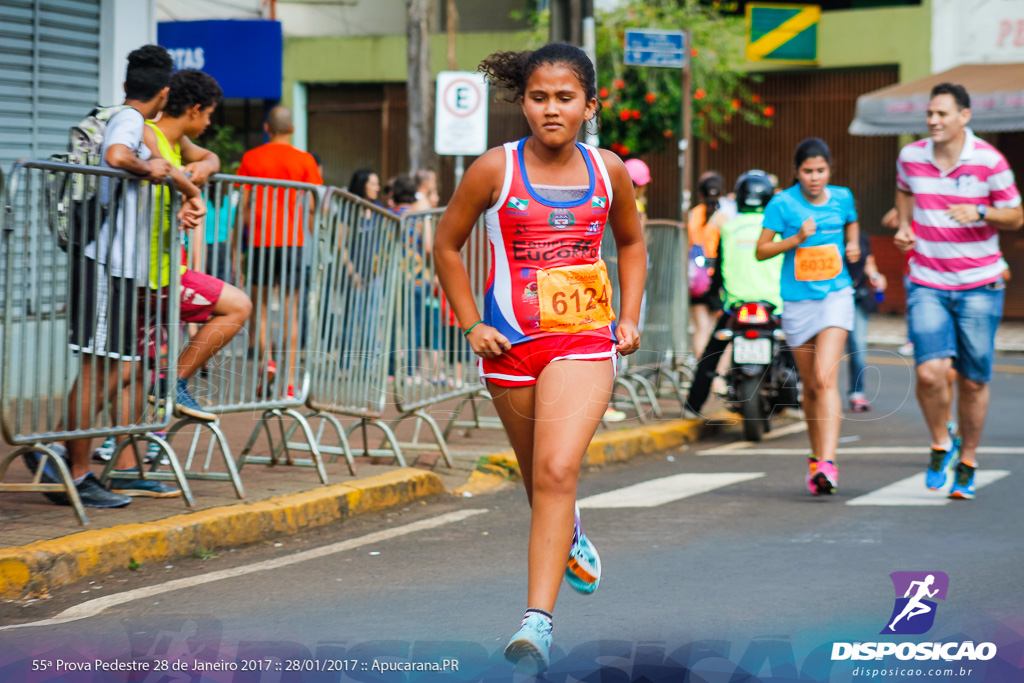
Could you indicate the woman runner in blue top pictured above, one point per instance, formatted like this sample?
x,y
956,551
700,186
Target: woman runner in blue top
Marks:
x,y
818,224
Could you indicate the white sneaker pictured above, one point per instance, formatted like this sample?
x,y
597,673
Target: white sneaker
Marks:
x,y
612,415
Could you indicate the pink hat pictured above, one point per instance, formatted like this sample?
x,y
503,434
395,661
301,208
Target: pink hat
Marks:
x,y
638,171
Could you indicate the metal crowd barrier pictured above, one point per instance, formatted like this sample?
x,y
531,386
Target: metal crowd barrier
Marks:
x,y
354,285
434,361
82,348
666,314
259,237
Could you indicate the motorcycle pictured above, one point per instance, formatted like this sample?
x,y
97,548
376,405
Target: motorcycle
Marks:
x,y
763,376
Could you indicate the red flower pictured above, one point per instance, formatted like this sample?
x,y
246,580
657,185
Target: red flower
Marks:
x,y
636,113
727,118
735,104
620,84
624,115
607,104
693,52
755,98
615,147
668,133
625,150
713,144
650,97
700,94
603,93
769,111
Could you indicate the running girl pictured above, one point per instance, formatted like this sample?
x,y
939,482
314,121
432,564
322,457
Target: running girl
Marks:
x,y
546,200
815,220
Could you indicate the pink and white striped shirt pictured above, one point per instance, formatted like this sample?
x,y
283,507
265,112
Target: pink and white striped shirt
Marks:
x,y
947,254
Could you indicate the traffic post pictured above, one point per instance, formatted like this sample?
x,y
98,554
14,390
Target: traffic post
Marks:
x,y
460,118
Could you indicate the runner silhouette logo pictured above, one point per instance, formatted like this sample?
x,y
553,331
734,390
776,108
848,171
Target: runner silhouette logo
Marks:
x,y
916,592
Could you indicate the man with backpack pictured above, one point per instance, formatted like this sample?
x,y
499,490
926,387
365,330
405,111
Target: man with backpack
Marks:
x,y
109,272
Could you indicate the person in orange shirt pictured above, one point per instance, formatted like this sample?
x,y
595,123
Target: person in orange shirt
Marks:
x,y
704,226
276,223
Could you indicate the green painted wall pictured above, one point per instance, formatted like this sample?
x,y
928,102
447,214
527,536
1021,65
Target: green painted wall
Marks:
x,y
890,35
376,59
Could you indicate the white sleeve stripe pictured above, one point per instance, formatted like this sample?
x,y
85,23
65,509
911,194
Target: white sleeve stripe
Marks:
x,y
599,162
507,183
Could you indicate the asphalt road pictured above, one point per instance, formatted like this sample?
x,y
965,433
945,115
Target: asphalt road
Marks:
x,y
719,567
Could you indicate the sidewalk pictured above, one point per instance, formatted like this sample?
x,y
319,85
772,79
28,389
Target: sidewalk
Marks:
x,y
42,546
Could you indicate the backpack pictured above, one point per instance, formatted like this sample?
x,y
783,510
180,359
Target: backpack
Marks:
x,y
698,271
73,199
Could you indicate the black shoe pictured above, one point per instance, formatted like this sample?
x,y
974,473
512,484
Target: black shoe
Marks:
x,y
90,490
94,495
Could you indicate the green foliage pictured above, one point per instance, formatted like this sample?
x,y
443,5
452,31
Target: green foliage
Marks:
x,y
133,565
204,554
640,105
226,144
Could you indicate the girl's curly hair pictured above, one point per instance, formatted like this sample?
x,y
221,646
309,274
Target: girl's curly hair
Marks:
x,y
511,70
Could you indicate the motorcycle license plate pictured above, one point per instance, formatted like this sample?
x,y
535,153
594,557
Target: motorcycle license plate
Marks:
x,y
756,351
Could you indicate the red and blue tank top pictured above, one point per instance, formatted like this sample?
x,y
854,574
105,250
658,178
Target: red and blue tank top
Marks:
x,y
534,237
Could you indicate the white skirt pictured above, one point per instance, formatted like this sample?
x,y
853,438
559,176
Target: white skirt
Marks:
x,y
801,320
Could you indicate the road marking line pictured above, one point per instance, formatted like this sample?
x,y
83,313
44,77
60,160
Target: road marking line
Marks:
x,y
912,491
657,492
866,450
774,434
92,608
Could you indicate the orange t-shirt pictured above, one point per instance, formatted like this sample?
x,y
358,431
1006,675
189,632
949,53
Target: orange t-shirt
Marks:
x,y
701,233
279,162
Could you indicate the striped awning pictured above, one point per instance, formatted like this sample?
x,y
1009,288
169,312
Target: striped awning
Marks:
x,y
997,101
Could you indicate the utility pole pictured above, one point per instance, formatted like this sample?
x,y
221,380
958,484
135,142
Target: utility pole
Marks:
x,y
418,88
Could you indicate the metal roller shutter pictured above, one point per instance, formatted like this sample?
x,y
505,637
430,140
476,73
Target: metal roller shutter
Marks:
x,y
49,80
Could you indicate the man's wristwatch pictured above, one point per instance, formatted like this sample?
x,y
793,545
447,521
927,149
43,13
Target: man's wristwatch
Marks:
x,y
982,210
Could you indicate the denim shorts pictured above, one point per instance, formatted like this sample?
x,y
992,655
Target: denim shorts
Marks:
x,y
957,324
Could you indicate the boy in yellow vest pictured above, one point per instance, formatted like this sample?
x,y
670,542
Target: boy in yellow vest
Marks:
x,y
221,308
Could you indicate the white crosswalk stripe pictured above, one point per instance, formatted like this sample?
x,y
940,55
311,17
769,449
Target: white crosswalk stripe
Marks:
x,y
863,450
912,491
657,492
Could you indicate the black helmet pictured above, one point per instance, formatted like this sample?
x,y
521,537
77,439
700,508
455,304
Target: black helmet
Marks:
x,y
753,190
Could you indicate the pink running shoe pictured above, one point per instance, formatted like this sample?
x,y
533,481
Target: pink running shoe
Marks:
x,y
822,476
827,478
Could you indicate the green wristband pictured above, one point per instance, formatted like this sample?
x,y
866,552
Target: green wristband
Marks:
x,y
469,329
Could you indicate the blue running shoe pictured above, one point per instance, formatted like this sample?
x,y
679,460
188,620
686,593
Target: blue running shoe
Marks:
x,y
942,461
146,488
583,570
963,483
187,406
529,650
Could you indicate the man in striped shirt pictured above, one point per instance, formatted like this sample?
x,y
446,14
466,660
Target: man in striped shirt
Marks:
x,y
955,192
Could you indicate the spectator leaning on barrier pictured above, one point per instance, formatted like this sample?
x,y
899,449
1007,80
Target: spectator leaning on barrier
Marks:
x,y
222,308
110,271
427,196
276,230
954,193
365,184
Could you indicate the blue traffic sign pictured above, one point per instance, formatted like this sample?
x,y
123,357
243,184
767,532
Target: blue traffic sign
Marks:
x,y
653,47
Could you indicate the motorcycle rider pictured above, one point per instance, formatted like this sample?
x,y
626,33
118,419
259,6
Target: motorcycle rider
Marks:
x,y
739,274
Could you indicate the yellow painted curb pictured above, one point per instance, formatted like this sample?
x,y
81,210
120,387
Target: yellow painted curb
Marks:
x,y
37,568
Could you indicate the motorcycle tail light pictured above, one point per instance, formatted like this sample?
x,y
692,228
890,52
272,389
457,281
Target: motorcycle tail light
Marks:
x,y
753,314
752,334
